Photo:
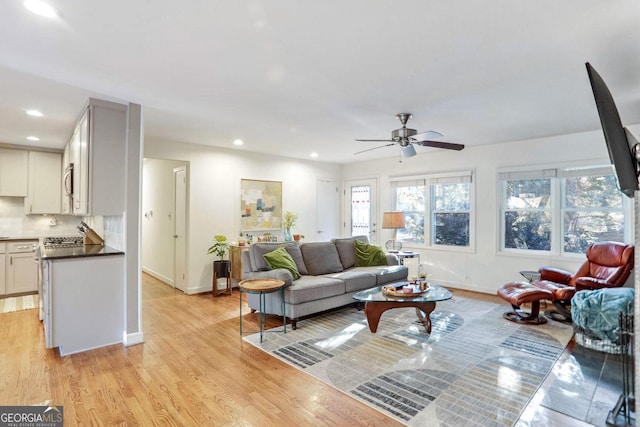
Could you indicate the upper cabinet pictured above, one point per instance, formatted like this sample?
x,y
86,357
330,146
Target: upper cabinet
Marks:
x,y
45,174
13,172
97,151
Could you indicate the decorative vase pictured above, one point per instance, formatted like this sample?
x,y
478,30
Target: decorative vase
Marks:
x,y
287,235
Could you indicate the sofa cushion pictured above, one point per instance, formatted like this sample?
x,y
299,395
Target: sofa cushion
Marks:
x,y
355,280
367,255
321,258
258,250
311,288
280,258
385,273
347,249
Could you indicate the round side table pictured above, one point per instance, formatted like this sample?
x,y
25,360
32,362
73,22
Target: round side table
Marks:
x,y
262,287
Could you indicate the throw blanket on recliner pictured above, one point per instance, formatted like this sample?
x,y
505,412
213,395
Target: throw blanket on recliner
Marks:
x,y
597,312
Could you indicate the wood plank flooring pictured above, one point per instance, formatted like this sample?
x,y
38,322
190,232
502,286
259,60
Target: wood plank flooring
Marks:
x,y
192,370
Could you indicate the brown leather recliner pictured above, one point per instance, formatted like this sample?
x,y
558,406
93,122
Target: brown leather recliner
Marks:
x,y
608,265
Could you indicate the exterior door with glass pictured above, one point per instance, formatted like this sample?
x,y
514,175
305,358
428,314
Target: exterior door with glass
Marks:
x,y
361,213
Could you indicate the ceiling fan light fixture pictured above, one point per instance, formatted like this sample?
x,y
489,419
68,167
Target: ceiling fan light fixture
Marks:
x,y
408,150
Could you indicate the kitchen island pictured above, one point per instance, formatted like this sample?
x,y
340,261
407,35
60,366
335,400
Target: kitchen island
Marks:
x,y
83,297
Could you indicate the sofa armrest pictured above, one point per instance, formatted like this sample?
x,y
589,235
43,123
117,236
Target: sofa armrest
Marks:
x,y
278,273
555,275
392,259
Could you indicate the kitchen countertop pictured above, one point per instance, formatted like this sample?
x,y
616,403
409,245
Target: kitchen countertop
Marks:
x,y
12,238
78,252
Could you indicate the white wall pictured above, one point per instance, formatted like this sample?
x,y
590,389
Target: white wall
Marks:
x,y
158,213
484,269
214,195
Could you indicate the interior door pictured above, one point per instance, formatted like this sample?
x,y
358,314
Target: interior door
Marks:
x,y
180,228
328,210
360,208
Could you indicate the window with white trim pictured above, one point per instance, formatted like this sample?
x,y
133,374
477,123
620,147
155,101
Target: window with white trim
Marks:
x,y
437,209
560,210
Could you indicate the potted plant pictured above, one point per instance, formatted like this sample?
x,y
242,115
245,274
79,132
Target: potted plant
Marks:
x,y
288,221
221,266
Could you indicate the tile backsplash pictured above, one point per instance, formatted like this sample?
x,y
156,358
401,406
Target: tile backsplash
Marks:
x,y
14,223
114,231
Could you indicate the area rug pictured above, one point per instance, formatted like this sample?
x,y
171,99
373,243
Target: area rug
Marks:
x,y
26,302
475,369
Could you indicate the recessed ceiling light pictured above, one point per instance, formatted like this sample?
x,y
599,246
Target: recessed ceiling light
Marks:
x,y
41,8
34,113
33,138
314,155
238,142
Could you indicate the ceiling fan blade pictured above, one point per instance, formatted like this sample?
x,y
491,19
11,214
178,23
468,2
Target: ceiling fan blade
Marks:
x,y
375,148
375,140
424,136
408,151
441,144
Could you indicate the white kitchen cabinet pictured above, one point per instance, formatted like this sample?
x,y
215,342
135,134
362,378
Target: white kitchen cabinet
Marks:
x,y
21,268
83,302
3,288
45,183
98,152
13,172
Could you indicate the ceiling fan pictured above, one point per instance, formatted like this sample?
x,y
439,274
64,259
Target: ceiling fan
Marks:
x,y
406,138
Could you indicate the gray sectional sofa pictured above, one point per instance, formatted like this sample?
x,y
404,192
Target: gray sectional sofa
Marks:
x,y
328,280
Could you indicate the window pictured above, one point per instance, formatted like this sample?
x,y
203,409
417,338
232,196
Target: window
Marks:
x,y
437,209
592,211
560,210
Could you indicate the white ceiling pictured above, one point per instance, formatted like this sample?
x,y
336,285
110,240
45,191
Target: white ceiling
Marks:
x,y
295,76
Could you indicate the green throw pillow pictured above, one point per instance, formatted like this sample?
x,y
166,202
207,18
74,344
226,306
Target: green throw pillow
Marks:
x,y
280,258
369,255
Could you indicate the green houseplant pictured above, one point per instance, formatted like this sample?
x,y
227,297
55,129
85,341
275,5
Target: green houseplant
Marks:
x,y
220,247
221,266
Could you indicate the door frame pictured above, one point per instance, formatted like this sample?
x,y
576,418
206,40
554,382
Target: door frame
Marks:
x,y
180,208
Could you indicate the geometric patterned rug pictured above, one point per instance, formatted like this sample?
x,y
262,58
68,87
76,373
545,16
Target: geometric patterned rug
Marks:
x,y
26,302
475,369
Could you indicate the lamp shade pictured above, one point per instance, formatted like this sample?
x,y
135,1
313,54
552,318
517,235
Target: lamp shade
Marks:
x,y
393,220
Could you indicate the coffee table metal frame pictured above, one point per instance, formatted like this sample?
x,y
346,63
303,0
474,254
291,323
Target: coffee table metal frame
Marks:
x,y
376,303
262,287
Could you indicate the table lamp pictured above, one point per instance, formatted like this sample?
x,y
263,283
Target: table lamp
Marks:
x,y
393,220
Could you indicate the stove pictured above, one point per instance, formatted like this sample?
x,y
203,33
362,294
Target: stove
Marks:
x,y
63,242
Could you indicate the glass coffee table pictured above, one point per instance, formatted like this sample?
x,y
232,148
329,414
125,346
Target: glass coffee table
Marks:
x,y
376,303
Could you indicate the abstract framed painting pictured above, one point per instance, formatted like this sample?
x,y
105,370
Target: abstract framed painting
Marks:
x,y
260,205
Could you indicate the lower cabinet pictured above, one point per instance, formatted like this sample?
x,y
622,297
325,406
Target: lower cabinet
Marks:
x,y
83,302
3,289
20,269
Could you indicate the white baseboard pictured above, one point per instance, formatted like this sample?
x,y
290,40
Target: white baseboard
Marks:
x,y
132,339
197,290
165,279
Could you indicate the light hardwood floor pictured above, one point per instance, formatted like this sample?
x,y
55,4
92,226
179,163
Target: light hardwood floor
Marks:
x,y
192,370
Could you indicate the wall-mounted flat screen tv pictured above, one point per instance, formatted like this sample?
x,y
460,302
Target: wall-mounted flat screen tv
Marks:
x,y
621,151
